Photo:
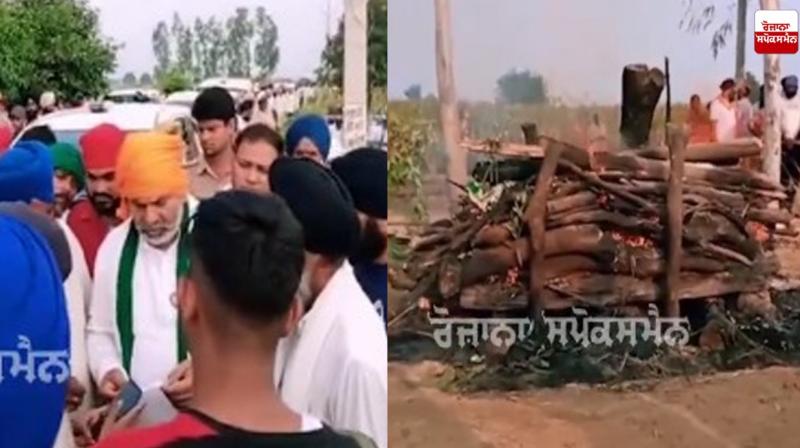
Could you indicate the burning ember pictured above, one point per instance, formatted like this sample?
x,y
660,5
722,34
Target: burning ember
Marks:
x,y
632,240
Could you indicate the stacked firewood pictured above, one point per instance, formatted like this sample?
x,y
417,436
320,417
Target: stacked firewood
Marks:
x,y
605,235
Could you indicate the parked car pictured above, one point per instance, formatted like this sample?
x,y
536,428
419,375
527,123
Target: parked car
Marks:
x,y
122,96
237,87
182,97
69,125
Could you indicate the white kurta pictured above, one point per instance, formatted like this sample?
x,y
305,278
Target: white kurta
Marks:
x,y
77,289
155,343
334,366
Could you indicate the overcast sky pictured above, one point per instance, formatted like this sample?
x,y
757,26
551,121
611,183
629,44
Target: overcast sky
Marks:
x,y
302,26
579,45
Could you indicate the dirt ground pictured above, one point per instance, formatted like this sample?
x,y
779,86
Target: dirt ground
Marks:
x,y
745,409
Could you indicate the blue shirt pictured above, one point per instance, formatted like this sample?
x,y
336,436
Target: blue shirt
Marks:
x,y
373,278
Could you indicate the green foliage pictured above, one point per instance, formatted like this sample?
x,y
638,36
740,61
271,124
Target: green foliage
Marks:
x,y
331,69
522,87
408,141
52,45
174,80
212,47
266,51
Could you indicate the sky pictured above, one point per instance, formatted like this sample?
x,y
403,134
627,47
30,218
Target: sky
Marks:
x,y
302,27
580,46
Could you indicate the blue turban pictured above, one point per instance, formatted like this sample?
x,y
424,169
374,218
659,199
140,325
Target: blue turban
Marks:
x,y
26,173
32,309
312,127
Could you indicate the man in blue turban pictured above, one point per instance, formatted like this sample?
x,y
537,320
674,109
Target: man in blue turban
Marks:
x,y
309,137
26,174
26,177
33,320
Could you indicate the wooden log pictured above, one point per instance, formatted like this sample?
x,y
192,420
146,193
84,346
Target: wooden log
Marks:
x,y
709,152
492,297
530,132
641,89
567,189
613,290
770,216
732,200
576,155
535,215
677,146
430,240
648,169
616,190
563,204
567,250
606,217
491,235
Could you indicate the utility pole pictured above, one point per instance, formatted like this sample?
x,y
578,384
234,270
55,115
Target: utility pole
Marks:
x,y
448,103
771,155
741,30
355,74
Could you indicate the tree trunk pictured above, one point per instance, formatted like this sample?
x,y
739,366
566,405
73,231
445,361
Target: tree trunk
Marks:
x,y
771,157
641,90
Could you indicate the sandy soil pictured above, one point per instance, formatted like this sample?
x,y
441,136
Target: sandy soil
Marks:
x,y
746,409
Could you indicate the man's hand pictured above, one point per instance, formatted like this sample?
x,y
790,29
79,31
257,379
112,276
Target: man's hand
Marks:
x,y
75,394
179,386
113,422
83,424
112,383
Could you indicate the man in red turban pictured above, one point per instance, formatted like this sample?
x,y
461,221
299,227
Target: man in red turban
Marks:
x,y
93,218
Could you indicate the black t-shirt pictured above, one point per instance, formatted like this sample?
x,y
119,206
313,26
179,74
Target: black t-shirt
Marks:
x,y
230,436
193,429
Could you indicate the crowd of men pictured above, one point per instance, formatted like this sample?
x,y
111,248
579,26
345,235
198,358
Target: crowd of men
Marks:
x,y
243,288
732,115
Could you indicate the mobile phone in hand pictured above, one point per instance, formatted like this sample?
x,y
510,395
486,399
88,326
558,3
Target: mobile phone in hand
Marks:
x,y
129,396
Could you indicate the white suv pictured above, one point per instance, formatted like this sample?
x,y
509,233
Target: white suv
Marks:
x,y
69,125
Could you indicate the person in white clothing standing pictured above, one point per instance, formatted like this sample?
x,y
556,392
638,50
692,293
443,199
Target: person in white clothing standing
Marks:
x,y
333,366
133,329
723,111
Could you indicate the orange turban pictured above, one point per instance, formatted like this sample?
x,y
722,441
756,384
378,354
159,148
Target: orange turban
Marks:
x,y
149,165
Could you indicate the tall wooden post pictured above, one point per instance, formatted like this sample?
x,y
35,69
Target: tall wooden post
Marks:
x,y
536,215
676,139
771,156
355,74
741,29
448,104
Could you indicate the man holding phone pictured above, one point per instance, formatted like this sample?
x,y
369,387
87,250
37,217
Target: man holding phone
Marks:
x,y
234,309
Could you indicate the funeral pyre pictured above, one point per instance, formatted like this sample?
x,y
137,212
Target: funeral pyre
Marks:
x,y
605,234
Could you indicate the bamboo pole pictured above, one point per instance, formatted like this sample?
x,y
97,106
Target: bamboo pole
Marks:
x,y
676,139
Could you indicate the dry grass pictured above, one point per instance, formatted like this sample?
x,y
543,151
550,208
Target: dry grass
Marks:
x,y
502,121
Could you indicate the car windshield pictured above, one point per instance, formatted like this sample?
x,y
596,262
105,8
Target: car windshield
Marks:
x,y
70,136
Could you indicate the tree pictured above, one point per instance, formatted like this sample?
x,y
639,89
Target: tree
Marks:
x,y
53,45
240,31
217,56
182,36
174,80
700,14
413,92
266,51
129,80
199,49
146,80
522,87
161,48
331,69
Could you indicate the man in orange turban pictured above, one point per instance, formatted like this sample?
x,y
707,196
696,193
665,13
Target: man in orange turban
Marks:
x,y
133,330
